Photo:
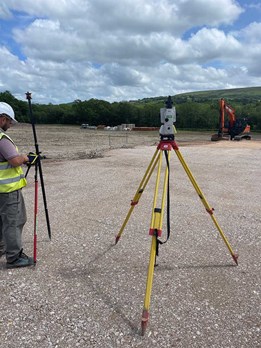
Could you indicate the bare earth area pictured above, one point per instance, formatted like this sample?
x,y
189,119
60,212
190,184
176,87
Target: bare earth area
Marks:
x,y
87,292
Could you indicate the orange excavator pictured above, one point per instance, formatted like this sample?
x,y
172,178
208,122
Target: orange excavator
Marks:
x,y
231,128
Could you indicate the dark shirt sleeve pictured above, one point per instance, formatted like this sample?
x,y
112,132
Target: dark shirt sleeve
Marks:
x,y
7,150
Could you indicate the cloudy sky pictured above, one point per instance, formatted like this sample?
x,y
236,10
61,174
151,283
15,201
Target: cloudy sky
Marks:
x,y
127,49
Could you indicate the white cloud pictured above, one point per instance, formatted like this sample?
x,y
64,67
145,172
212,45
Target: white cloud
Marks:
x,y
251,33
128,49
5,13
209,44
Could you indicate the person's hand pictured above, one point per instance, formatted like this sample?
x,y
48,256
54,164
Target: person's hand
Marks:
x,y
32,158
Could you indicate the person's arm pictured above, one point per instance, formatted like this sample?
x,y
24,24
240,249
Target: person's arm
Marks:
x,y
9,153
18,160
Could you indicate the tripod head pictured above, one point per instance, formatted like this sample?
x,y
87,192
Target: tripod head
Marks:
x,y
167,119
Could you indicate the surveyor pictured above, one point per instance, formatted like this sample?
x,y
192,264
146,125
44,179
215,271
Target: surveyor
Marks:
x,y
12,206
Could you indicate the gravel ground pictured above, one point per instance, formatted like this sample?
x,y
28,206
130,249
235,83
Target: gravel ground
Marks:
x,y
87,292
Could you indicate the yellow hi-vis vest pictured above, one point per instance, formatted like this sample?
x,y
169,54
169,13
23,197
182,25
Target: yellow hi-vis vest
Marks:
x,y
11,178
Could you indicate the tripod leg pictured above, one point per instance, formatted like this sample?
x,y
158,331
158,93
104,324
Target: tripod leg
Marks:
x,y
155,210
205,203
164,190
155,232
44,199
139,191
35,212
145,312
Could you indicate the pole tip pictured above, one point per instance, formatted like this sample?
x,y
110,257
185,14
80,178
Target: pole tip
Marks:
x,y
144,321
143,327
235,257
117,239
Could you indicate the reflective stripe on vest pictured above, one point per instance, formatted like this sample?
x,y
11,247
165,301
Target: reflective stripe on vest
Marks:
x,y
5,165
11,178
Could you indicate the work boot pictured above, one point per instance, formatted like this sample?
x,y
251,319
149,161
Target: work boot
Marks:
x,y
22,261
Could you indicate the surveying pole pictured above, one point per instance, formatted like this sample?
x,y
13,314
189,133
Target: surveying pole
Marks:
x,y
38,168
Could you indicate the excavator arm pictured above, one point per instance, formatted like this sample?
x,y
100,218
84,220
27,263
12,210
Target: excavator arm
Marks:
x,y
233,128
226,110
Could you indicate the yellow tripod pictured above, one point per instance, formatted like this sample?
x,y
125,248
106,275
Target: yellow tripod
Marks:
x,y
157,213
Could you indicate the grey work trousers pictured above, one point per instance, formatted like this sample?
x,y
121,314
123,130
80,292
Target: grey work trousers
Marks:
x,y
12,220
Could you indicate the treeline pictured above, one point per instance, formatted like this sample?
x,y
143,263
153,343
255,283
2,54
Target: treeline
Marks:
x,y
193,111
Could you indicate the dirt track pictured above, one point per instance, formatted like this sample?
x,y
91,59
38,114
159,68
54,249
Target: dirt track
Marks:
x,y
86,292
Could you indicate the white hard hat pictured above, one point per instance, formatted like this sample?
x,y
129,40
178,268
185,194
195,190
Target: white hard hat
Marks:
x,y
7,110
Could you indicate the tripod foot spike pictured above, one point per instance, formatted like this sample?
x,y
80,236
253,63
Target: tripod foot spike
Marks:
x,y
235,257
144,321
117,239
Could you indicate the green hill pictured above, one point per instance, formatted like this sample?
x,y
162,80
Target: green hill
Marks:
x,y
253,93
242,95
